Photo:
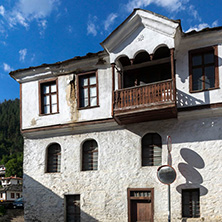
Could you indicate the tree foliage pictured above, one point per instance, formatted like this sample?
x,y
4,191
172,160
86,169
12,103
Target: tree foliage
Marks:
x,y
11,141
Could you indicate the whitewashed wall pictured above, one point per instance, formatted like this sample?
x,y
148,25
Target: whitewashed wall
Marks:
x,y
104,192
185,98
68,111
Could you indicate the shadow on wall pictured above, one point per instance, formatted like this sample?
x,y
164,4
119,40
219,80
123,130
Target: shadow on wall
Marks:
x,y
41,204
189,170
183,99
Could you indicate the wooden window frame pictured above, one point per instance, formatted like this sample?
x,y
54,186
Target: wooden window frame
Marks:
x,y
142,157
190,204
202,51
49,167
41,103
84,168
129,198
81,75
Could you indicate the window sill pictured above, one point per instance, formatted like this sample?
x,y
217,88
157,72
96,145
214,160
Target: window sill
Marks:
x,y
48,114
88,107
203,90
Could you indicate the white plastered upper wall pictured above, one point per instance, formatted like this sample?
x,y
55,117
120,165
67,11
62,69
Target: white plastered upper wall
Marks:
x,y
142,30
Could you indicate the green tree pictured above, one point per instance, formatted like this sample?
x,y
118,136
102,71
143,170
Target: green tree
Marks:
x,y
11,141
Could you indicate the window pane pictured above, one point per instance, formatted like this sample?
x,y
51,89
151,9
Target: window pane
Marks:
x,y
45,89
46,100
208,58
197,60
54,108
53,88
83,81
92,80
93,101
197,79
47,109
92,91
209,77
85,93
54,99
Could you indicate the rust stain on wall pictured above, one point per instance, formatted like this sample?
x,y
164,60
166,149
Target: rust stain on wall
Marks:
x,y
71,97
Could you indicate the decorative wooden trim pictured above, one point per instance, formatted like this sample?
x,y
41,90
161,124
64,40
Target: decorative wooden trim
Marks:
x,y
20,105
144,198
113,86
119,80
216,70
60,126
173,72
216,58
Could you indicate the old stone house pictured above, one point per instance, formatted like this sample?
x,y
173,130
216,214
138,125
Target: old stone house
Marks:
x,y
11,188
95,127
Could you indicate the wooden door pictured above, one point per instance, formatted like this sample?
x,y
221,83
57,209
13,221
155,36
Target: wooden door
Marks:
x,y
140,205
141,211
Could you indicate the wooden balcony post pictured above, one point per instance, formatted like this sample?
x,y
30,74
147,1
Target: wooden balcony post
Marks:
x,y
173,73
113,85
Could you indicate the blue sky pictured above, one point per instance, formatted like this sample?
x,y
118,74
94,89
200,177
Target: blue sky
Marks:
x,y
33,32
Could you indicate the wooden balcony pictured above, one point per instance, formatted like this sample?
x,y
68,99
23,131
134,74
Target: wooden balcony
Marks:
x,y
145,103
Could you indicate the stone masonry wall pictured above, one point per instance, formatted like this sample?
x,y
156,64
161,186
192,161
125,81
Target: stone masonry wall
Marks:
x,y
196,157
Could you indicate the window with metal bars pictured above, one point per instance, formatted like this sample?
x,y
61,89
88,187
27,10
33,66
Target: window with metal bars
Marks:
x,y
151,150
203,65
88,90
90,155
54,158
191,203
49,97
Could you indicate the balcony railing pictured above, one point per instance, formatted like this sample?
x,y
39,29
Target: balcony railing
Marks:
x,y
142,96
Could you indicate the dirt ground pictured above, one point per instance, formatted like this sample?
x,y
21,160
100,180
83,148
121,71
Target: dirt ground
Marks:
x,y
13,215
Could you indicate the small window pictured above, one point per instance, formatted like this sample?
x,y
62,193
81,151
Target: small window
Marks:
x,y
53,158
191,203
151,150
12,195
17,195
90,155
88,90
1,195
203,69
49,97
72,208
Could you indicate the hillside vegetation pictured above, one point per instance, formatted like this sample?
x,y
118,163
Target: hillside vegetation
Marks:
x,y
11,141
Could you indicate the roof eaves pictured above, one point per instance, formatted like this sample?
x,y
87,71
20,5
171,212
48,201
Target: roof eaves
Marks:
x,y
76,58
193,32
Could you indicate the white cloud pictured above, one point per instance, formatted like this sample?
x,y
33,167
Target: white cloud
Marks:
x,y
26,11
42,24
194,12
2,10
198,27
70,29
202,26
7,68
170,5
91,27
22,54
215,23
110,20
